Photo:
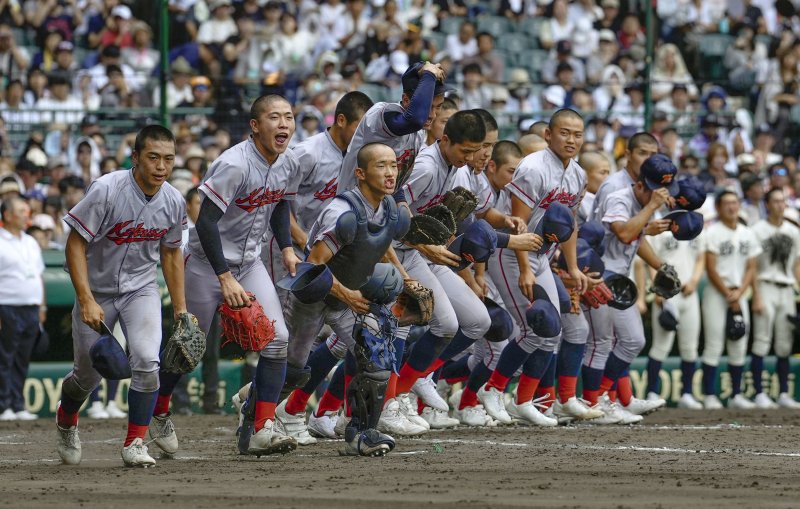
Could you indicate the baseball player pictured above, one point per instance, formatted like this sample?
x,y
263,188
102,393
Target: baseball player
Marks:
x,y
732,251
641,146
320,158
245,190
688,258
124,224
351,251
399,125
773,297
617,336
541,178
597,168
435,131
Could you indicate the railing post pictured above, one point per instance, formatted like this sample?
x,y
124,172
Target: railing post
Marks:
x,y
164,40
648,65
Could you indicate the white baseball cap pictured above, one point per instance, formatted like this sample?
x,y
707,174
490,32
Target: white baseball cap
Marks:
x,y
122,11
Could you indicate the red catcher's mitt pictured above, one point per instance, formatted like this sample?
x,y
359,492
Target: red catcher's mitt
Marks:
x,y
247,326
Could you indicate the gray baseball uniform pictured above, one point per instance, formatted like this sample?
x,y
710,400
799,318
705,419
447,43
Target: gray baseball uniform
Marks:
x,y
539,180
372,129
616,181
124,231
621,329
246,188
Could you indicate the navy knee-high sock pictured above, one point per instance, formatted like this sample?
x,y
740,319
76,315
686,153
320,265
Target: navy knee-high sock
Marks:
x,y
321,363
111,389
782,368
399,350
615,367
538,365
687,376
458,344
478,377
591,378
94,395
140,406
336,385
709,380
456,369
736,379
425,351
756,368
653,380
570,357
270,375
167,382
511,359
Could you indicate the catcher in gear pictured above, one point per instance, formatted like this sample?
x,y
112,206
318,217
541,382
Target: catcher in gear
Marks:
x,y
350,237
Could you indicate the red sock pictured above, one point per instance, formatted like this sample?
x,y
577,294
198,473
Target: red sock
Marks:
x,y
438,363
591,396
328,403
296,404
347,410
566,387
453,381
612,395
420,406
66,420
526,388
624,390
545,392
135,431
264,410
391,387
162,404
408,376
468,398
606,384
498,381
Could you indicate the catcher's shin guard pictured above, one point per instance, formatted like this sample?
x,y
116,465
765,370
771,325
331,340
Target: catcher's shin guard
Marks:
x,y
247,419
365,395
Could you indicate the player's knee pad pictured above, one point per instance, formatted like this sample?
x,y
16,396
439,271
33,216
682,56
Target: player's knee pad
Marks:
x,y
76,389
144,381
337,346
365,394
276,349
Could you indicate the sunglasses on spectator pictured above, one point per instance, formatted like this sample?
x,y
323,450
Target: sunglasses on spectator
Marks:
x,y
780,172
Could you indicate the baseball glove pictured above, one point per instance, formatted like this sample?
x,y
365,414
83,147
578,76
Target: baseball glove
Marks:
x,y
667,284
597,296
434,227
461,202
186,346
246,326
414,306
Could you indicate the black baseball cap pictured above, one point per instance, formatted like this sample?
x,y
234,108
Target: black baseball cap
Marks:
x,y
411,80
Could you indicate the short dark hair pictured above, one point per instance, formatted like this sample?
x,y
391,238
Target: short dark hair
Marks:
x,y
6,205
365,152
153,132
641,138
353,105
448,104
465,126
563,112
70,181
505,150
191,193
488,119
722,194
772,190
472,67
260,104
484,33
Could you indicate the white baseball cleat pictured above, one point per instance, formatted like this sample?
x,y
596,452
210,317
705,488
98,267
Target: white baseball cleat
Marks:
x,y
494,404
764,402
438,419
393,422
135,455
269,440
576,409
97,411
114,411
474,416
711,402
638,406
455,399
740,402
323,426
293,425
341,423
786,401
688,402
527,413
69,445
612,413
425,389
24,415
653,396
409,410
162,432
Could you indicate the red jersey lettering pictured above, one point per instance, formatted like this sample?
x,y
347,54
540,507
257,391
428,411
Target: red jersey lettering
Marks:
x,y
260,197
120,234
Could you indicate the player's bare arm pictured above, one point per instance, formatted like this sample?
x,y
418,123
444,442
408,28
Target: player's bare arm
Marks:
x,y
439,255
570,250
628,231
321,254
172,267
91,312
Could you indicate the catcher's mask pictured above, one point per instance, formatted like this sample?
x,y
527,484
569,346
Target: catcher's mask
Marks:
x,y
384,285
476,244
542,316
556,226
310,284
686,225
108,357
502,325
623,288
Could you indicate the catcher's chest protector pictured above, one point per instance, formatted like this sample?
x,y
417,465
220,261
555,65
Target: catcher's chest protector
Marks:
x,y
353,263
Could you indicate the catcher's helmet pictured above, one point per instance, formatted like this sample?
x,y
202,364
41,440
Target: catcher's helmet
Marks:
x,y
311,283
384,285
623,289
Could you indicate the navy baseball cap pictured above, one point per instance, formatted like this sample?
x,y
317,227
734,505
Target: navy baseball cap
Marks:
x,y
476,244
686,224
564,302
556,225
109,358
502,325
542,316
668,318
411,77
735,329
691,194
588,259
659,171
594,233
311,283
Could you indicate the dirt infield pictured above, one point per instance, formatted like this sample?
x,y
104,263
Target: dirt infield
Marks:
x,y
677,458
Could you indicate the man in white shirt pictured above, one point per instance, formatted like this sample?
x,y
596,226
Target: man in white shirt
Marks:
x,y
21,306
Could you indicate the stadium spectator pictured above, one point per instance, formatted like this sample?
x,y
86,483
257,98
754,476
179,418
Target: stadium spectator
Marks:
x,y
60,105
677,106
492,64
63,16
118,28
475,93
140,56
178,87
610,20
605,55
463,44
13,59
521,98
45,58
15,112
563,55
669,69
558,28
611,89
